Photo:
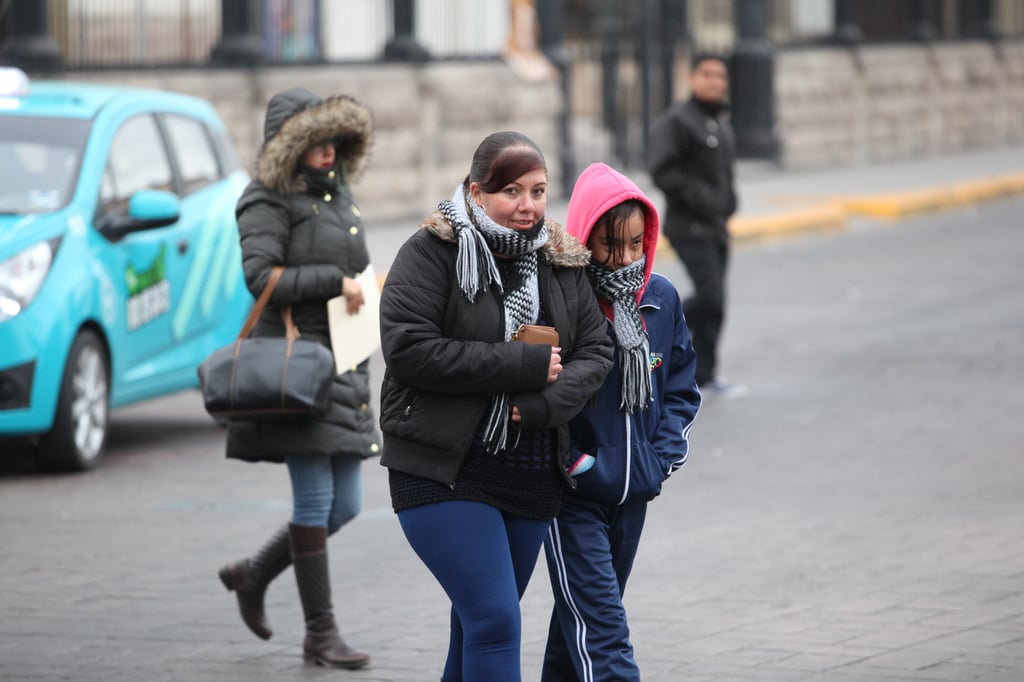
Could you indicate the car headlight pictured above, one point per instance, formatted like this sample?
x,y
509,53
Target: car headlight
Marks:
x,y
23,275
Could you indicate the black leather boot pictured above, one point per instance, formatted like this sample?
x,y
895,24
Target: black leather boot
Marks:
x,y
249,578
323,644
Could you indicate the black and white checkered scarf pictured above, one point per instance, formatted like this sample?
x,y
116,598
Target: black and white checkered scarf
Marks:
x,y
619,288
480,239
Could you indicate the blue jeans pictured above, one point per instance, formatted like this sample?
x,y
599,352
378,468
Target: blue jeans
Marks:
x,y
326,491
483,558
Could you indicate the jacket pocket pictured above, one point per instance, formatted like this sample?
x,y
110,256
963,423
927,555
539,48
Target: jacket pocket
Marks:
x,y
617,479
441,421
605,481
647,473
396,406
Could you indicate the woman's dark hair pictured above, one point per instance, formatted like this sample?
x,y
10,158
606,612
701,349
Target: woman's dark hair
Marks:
x,y
501,158
611,221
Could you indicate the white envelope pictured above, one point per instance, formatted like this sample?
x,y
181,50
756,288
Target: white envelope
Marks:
x,y
355,337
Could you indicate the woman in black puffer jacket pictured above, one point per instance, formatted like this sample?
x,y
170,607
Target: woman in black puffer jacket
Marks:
x,y
299,213
475,422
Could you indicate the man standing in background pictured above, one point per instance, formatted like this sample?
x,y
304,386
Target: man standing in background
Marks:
x,y
691,161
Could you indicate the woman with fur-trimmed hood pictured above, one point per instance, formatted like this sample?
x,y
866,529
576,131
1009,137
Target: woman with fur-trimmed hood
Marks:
x,y
299,213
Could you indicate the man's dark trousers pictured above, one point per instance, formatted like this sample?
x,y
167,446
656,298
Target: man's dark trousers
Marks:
x,y
706,259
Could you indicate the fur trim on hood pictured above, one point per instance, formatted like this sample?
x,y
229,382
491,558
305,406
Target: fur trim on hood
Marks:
x,y
561,249
296,120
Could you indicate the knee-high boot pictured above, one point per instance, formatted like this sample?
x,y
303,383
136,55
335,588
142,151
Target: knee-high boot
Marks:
x,y
323,644
249,579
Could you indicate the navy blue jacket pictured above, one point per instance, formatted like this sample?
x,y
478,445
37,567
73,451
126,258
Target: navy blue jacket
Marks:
x,y
636,453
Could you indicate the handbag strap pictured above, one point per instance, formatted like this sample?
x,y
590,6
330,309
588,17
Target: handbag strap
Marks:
x,y
261,303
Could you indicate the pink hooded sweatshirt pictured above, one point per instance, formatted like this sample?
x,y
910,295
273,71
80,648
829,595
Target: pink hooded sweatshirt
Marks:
x,y
599,188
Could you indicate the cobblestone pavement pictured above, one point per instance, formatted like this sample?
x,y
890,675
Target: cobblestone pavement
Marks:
x,y
859,517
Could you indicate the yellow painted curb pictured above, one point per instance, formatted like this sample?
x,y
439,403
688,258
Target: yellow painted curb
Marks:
x,y
834,213
904,204
828,215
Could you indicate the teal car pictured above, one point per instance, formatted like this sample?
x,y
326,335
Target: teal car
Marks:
x,y
120,267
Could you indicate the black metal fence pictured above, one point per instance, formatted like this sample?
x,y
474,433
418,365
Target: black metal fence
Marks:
x,y
628,60
151,33
623,61
118,33
133,34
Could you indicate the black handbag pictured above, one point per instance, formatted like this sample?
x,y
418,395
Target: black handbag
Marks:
x,y
268,377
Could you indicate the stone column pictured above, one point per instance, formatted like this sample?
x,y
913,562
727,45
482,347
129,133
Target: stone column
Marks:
x,y
29,44
847,32
403,47
608,26
753,83
647,56
551,16
977,21
241,40
521,50
673,30
922,25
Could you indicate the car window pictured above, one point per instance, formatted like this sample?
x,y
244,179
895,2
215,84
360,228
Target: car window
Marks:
x,y
39,160
137,161
196,158
225,152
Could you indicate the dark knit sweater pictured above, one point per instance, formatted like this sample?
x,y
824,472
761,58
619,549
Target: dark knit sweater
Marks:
x,y
524,480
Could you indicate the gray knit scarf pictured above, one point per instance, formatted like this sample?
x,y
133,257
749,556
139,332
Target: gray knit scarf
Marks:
x,y
619,288
480,239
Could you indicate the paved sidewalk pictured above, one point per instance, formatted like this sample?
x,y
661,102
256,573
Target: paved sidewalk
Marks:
x,y
856,518
776,202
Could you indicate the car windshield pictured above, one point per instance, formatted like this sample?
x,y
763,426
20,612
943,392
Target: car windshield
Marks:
x,y
39,160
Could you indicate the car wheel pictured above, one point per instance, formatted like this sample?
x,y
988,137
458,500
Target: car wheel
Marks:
x,y
75,443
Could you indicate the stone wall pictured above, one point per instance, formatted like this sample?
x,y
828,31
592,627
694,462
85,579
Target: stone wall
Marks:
x,y
429,118
834,106
869,104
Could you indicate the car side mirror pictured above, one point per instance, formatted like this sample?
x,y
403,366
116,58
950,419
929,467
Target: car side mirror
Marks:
x,y
147,210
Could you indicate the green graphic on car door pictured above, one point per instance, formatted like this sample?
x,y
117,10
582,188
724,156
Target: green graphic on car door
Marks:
x,y
149,293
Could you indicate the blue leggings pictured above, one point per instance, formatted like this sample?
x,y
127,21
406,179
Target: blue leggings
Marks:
x,y
483,558
326,491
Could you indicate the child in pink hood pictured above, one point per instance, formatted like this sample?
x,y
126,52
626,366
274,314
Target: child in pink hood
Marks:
x,y
626,441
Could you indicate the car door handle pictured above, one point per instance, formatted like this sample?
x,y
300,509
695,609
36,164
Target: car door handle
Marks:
x,y
182,246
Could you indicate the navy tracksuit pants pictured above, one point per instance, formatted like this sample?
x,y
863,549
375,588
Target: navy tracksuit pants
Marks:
x,y
590,549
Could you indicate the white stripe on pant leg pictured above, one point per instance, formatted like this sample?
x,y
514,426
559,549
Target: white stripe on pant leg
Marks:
x,y
563,581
